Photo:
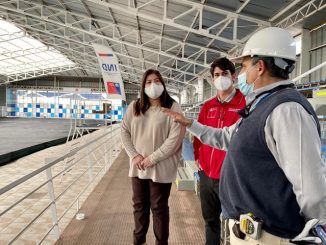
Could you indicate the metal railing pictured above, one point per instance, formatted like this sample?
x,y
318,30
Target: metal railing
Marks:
x,y
311,84
298,78
92,160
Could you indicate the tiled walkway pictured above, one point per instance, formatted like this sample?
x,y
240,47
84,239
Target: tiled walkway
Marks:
x,y
109,218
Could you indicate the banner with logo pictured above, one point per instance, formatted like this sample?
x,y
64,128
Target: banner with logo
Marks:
x,y
110,72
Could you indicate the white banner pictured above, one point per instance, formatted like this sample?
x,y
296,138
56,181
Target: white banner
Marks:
x,y
110,72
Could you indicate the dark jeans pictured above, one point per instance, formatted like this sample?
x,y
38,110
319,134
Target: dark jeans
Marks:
x,y
211,208
148,195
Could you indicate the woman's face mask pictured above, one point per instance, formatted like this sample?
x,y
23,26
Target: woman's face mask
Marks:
x,y
154,90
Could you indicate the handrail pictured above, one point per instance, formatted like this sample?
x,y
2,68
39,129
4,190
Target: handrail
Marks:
x,y
100,169
44,183
309,72
52,163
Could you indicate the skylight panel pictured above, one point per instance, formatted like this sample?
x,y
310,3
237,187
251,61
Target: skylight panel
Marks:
x,y
21,53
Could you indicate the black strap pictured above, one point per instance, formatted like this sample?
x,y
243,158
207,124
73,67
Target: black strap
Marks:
x,y
246,110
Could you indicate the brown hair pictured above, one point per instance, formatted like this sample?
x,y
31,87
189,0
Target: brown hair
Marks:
x,y
224,64
143,103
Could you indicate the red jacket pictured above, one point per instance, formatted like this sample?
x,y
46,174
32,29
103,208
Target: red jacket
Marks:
x,y
217,115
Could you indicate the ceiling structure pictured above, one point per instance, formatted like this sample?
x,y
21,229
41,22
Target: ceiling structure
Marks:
x,y
180,38
19,52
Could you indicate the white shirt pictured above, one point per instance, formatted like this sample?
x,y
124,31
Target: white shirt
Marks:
x,y
292,137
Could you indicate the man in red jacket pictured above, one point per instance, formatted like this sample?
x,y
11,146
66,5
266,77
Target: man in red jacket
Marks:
x,y
219,112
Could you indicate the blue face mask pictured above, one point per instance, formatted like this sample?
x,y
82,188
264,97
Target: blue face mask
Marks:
x,y
244,87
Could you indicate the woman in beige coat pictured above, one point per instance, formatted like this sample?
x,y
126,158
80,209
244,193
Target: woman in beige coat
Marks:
x,y
153,142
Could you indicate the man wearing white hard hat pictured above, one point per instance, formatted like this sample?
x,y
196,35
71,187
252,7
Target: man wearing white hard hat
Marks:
x,y
273,180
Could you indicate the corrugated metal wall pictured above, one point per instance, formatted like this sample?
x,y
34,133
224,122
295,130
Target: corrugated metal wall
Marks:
x,y
318,53
2,95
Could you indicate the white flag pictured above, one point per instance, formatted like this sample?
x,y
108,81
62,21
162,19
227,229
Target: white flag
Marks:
x,y
110,72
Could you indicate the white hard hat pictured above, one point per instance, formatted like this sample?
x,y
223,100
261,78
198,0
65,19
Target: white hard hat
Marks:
x,y
269,42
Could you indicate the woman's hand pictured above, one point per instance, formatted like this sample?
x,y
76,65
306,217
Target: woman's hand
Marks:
x,y
137,160
177,117
146,163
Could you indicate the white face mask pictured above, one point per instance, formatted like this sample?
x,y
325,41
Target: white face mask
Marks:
x,y
222,83
154,90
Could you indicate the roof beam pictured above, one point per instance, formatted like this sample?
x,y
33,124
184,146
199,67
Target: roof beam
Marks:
x,y
51,38
97,25
305,11
66,16
84,57
191,5
284,10
188,33
24,52
39,73
138,28
242,6
65,44
31,66
90,61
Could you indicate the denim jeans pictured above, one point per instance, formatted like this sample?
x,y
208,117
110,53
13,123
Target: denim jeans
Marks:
x,y
211,208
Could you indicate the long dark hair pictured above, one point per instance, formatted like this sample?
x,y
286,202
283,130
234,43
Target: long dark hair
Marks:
x,y
143,103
